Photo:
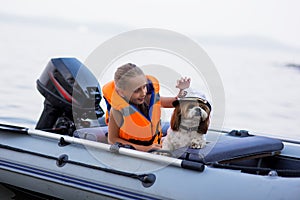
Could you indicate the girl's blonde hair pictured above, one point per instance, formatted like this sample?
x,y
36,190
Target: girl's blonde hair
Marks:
x,y
125,72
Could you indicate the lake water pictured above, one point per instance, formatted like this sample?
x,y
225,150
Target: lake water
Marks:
x,y
262,93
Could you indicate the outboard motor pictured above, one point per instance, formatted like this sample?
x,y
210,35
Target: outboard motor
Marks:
x,y
72,97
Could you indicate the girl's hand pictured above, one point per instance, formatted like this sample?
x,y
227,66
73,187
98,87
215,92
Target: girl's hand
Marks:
x,y
183,83
152,147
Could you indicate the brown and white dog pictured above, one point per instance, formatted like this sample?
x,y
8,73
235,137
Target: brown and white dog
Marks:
x,y
189,124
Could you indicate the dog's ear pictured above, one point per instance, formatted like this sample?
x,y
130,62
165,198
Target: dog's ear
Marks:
x,y
176,119
203,126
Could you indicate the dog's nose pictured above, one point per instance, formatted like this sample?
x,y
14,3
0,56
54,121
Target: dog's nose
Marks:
x,y
198,111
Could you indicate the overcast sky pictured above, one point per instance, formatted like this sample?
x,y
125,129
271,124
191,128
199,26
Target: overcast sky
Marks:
x,y
279,20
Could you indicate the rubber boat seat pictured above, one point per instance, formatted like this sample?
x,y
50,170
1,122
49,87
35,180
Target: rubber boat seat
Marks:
x,y
98,134
231,148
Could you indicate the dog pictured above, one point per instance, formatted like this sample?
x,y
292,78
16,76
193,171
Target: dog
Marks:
x,y
189,124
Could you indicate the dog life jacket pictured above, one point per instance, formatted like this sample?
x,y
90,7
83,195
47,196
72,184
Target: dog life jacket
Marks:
x,y
136,127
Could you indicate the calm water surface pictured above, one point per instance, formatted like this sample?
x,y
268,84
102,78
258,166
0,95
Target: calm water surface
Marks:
x,y
262,94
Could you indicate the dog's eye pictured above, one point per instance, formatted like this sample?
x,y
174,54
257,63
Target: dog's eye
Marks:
x,y
190,106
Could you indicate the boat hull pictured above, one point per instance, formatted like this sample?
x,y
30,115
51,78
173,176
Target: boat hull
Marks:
x,y
76,171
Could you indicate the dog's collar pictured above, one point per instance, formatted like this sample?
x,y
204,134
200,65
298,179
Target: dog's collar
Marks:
x,y
195,128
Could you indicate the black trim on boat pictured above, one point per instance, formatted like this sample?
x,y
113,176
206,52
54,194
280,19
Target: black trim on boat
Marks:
x,y
282,139
259,170
147,180
62,142
37,173
14,129
62,160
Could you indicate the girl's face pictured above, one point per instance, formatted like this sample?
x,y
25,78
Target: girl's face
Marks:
x,y
135,89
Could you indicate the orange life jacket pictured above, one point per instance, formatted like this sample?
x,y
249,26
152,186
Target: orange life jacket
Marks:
x,y
136,127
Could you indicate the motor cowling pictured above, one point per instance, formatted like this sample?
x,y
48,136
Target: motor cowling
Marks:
x,y
71,91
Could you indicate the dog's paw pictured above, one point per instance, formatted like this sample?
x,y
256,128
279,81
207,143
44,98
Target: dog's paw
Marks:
x,y
197,144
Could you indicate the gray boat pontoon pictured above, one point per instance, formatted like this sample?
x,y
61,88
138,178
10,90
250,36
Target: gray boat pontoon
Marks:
x,y
237,166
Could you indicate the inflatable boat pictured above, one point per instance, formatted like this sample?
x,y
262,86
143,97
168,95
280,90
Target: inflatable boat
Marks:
x,y
67,156
237,166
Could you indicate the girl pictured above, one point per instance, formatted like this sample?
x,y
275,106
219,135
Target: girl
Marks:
x,y
134,104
